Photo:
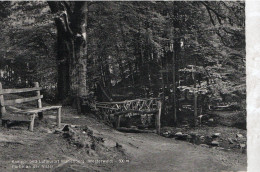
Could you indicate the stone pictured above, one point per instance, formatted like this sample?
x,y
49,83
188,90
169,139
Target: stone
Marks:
x,y
204,145
239,135
214,143
57,131
215,135
118,145
211,120
242,145
182,137
220,148
66,128
178,134
189,137
230,141
194,134
166,134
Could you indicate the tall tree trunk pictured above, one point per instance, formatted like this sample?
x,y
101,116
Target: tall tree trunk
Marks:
x,y
63,64
71,23
78,26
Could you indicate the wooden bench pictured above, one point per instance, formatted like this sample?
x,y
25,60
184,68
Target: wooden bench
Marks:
x,y
16,114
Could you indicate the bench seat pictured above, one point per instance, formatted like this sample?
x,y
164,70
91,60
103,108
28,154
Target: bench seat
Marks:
x,y
36,110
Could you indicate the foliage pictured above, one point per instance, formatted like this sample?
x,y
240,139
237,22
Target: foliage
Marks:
x,y
130,43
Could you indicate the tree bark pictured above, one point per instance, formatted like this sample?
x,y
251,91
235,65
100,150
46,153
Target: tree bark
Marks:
x,y
71,23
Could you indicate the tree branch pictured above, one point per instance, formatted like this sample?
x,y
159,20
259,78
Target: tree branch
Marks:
x,y
219,16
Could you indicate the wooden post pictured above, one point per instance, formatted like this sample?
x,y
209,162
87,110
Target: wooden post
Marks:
x,y
195,106
163,86
118,121
39,105
32,122
158,118
2,103
195,97
59,118
174,85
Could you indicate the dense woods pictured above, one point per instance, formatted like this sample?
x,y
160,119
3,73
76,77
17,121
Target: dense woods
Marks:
x,y
186,53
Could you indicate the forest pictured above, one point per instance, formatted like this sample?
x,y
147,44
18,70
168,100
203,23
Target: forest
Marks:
x,y
112,51
188,55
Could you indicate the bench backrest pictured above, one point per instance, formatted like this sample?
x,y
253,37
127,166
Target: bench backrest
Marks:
x,y
4,103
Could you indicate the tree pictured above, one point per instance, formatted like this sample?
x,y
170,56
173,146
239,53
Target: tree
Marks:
x,y
71,22
124,45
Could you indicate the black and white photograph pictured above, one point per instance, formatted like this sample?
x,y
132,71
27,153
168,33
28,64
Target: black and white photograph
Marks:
x,y
131,86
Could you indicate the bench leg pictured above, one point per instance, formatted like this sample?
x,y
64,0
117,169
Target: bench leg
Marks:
x,y
59,118
40,114
118,121
4,123
32,122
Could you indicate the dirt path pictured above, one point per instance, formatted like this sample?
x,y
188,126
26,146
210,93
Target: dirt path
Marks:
x,y
144,152
150,152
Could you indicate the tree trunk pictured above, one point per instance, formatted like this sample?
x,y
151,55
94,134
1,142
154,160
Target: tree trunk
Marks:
x,y
71,23
63,83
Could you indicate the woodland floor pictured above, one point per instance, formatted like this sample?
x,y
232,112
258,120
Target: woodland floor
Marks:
x,y
89,141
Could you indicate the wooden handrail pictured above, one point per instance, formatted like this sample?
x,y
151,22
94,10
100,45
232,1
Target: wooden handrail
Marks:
x,y
121,102
145,106
136,111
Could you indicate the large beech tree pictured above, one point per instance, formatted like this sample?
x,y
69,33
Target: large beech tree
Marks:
x,y
71,22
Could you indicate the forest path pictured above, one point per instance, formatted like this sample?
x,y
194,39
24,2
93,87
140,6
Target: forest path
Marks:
x,y
151,152
145,151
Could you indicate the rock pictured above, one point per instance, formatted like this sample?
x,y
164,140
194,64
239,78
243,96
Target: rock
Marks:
x,y
235,140
202,139
65,128
178,134
211,120
118,145
189,137
109,143
230,141
47,130
220,148
242,146
167,134
182,137
239,135
133,127
194,134
214,143
204,145
83,132
57,131
215,135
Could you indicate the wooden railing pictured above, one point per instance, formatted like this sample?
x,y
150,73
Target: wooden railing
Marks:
x,y
132,107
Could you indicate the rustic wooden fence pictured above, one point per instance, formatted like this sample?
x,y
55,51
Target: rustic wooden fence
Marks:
x,y
132,108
